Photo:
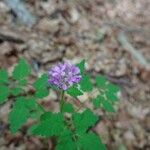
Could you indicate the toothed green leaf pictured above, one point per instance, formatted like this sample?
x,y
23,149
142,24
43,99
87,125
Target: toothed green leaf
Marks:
x,y
81,66
18,115
21,70
16,91
40,86
67,107
101,81
108,106
90,141
3,76
51,124
84,120
4,93
85,83
74,91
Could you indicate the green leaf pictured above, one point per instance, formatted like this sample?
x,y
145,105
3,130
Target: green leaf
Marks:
x,y
40,93
111,96
4,93
16,91
85,83
41,82
67,144
67,107
81,66
51,124
35,109
98,101
101,81
41,86
31,103
21,70
3,76
18,115
113,88
23,82
107,106
74,91
31,129
84,120
90,141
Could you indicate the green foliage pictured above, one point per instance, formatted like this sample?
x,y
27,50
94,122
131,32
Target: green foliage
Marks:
x,y
81,66
16,91
108,106
107,96
101,81
65,140
74,91
22,82
40,86
67,144
85,83
67,107
98,100
23,108
51,124
4,93
18,115
72,129
85,120
90,141
3,76
4,90
21,70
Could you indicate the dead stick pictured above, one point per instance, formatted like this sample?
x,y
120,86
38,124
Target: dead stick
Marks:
x,y
135,53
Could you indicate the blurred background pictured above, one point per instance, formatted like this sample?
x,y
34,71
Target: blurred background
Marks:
x,y
112,35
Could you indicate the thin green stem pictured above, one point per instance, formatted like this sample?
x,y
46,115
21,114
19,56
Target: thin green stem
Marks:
x,y
62,100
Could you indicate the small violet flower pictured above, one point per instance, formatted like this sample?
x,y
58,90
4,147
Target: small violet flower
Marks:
x,y
64,75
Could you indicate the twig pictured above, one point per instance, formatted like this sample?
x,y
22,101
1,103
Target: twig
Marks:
x,y
10,38
135,53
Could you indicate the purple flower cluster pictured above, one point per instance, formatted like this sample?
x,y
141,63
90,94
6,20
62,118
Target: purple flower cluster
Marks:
x,y
64,75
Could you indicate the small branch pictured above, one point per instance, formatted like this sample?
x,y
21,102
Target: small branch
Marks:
x,y
135,53
10,38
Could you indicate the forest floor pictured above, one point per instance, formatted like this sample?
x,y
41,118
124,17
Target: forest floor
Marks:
x,y
111,35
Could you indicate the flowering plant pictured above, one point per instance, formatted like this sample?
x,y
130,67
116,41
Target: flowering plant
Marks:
x,y
71,125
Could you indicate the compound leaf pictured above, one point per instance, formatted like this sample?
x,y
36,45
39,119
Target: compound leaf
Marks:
x,y
101,81
81,66
98,101
21,70
113,88
3,76
67,144
40,86
40,93
67,107
108,106
74,91
18,115
41,82
90,141
85,83
4,93
51,124
16,91
111,96
84,120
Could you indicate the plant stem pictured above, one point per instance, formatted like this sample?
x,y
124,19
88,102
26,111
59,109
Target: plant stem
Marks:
x,y
62,100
